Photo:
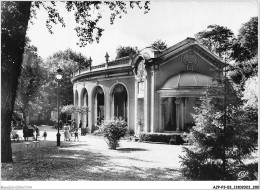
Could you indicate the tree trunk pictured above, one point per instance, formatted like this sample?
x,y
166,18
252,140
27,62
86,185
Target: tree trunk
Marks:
x,y
14,21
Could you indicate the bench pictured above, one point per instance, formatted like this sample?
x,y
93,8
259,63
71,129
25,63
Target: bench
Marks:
x,y
27,144
36,144
16,139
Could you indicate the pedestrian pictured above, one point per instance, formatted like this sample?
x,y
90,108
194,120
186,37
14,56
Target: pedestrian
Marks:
x,y
60,125
66,132
44,134
73,124
37,132
76,133
80,124
25,132
56,124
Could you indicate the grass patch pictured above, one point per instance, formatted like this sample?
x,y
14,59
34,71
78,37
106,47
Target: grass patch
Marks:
x,y
76,163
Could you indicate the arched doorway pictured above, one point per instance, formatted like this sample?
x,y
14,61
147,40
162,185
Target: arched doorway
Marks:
x,y
84,102
99,106
119,102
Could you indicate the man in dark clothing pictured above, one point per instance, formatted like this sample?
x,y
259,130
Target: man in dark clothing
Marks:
x,y
60,124
25,132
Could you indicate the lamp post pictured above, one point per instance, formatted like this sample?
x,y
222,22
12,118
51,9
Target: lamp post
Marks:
x,y
58,77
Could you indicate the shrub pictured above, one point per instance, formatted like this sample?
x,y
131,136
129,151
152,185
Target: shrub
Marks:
x,y
113,131
161,137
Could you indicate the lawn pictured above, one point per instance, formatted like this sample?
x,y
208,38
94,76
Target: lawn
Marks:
x,y
91,160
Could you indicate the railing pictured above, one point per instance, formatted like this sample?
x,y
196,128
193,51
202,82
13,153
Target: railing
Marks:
x,y
119,62
98,66
125,61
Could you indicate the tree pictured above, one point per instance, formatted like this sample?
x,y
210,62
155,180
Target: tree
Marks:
x,y
217,39
68,61
30,81
14,21
246,46
125,51
81,109
159,45
13,33
242,71
244,52
68,110
224,135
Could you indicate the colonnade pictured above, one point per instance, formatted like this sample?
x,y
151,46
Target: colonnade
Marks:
x,y
102,105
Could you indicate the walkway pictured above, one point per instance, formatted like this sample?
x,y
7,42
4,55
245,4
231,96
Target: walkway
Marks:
x,y
51,139
90,159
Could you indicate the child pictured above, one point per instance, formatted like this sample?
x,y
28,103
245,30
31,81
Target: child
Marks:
x,y
76,133
45,134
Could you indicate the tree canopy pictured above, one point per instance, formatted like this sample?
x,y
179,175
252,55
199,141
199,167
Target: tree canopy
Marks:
x,y
122,51
30,81
159,45
217,39
241,50
68,61
87,15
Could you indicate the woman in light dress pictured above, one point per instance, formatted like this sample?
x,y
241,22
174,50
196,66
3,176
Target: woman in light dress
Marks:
x,y
67,132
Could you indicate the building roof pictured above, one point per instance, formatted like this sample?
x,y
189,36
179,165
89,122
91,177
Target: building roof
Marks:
x,y
187,79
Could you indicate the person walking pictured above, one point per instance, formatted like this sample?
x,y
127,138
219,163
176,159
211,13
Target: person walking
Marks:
x,y
76,133
73,124
37,132
80,124
66,132
25,132
44,134
60,125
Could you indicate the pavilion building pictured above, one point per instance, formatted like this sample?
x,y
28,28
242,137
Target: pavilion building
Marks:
x,y
157,89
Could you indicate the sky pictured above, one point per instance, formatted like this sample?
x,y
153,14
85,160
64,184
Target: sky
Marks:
x,y
170,21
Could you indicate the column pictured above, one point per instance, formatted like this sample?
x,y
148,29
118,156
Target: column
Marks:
x,y
146,106
178,112
107,106
136,110
78,114
91,112
95,113
185,111
152,101
74,103
112,106
84,121
182,113
161,124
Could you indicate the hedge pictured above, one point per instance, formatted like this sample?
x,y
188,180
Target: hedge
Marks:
x,y
162,137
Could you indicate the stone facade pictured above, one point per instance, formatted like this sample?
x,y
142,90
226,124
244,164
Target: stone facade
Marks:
x,y
155,89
